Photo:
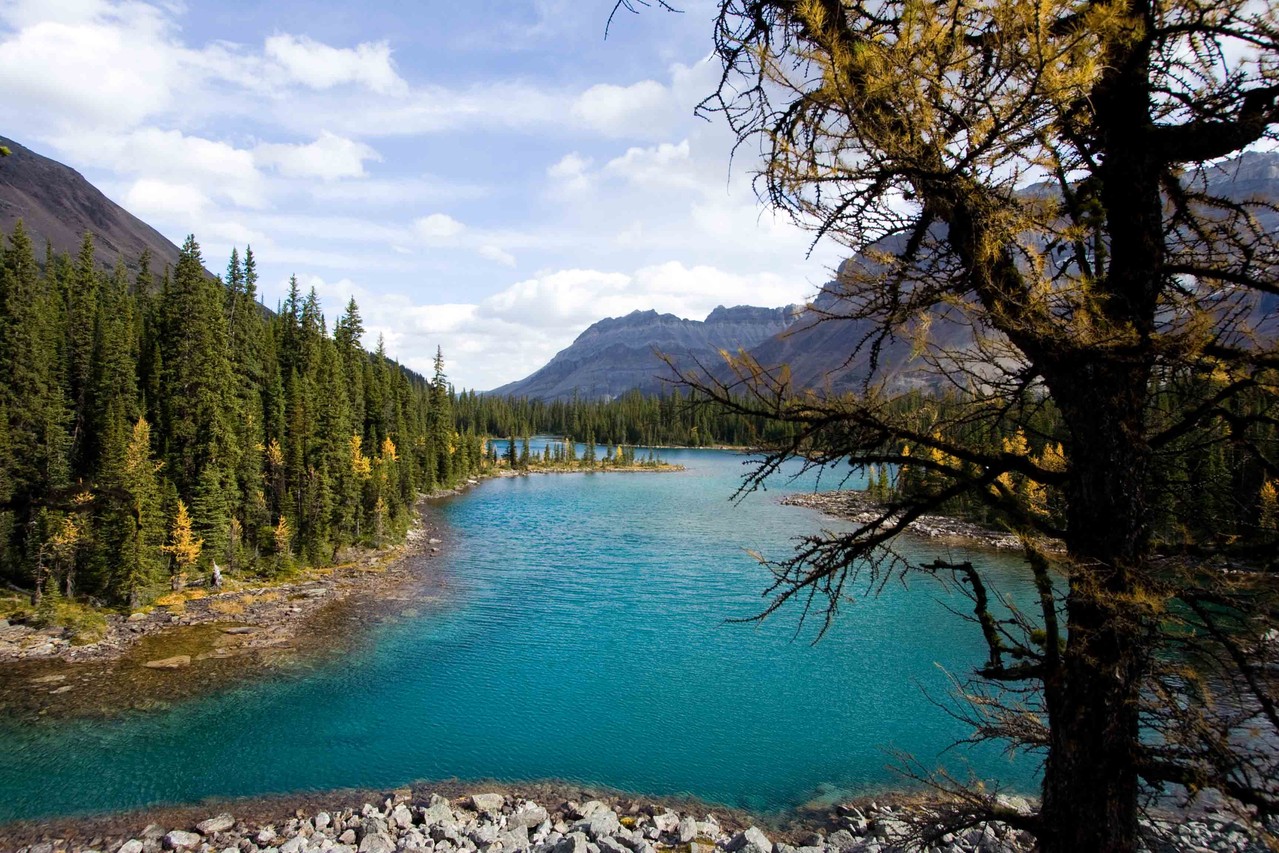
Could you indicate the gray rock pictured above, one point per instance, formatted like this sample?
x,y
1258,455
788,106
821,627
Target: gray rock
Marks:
x,y
574,842
373,825
266,835
437,813
515,838
153,832
218,823
181,840
133,845
484,834
687,830
601,822
322,820
1021,805
841,839
752,836
347,837
296,844
608,844
589,808
488,803
666,822
376,843
527,815
810,849
401,816
779,847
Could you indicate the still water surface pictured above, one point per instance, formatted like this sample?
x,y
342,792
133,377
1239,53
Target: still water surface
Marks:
x,y
584,639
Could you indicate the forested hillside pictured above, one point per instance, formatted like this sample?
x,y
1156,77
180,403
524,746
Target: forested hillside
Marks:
x,y
653,420
152,423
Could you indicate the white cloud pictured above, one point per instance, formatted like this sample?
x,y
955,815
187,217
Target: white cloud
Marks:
x,y
328,158
646,109
319,66
570,172
497,254
662,166
438,228
218,169
87,73
162,200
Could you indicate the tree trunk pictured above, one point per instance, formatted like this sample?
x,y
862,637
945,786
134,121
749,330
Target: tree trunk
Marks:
x,y
1090,788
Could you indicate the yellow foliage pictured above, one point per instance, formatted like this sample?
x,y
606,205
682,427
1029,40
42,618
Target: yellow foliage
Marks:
x,y
65,537
282,535
137,457
1053,458
1269,506
388,450
184,547
360,464
274,455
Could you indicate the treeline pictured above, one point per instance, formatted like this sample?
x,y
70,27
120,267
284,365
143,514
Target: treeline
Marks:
x,y
1207,486
633,419
152,425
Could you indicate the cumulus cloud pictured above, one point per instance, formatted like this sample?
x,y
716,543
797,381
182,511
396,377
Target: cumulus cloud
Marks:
x,y
662,166
570,172
515,331
150,198
497,254
645,109
218,169
328,158
438,228
319,66
86,71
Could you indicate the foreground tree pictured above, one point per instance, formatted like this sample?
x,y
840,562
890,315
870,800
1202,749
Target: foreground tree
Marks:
x,y
1040,174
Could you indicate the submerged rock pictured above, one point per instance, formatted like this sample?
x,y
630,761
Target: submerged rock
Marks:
x,y
175,662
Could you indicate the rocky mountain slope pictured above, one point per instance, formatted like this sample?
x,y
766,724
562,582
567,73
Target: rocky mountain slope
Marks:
x,y
56,204
616,355
619,354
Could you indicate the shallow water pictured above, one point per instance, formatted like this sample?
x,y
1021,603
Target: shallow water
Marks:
x,y
583,637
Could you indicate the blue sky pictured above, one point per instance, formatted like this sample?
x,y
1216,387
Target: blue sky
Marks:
x,y
490,177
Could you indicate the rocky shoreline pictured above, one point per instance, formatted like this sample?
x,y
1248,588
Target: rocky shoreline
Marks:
x,y
262,614
500,819
859,508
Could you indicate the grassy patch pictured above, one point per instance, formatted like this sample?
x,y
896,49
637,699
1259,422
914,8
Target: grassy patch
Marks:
x,y
84,624
227,606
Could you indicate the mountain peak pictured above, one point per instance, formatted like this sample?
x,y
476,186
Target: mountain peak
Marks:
x,y
618,354
56,204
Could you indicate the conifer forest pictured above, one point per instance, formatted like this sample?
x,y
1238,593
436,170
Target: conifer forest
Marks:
x,y
156,422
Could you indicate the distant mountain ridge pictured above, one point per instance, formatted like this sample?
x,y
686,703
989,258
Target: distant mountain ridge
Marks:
x,y
615,355
620,354
56,204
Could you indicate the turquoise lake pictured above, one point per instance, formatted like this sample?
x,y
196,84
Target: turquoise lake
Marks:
x,y
584,638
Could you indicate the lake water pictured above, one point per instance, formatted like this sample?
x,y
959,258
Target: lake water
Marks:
x,y
584,639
